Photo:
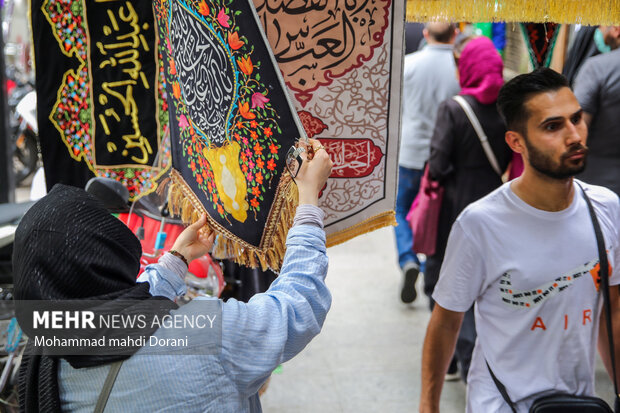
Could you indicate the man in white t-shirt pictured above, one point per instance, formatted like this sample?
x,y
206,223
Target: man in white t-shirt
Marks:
x,y
526,255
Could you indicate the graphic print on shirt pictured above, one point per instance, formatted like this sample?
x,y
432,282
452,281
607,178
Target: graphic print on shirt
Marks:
x,y
532,298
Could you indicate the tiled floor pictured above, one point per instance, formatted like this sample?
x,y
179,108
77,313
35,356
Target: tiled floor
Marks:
x,y
367,358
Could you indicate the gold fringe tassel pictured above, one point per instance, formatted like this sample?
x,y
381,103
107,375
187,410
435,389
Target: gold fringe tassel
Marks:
x,y
270,254
587,12
378,221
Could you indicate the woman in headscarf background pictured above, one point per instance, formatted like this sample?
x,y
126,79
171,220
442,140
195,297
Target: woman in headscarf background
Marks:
x,y
458,161
68,246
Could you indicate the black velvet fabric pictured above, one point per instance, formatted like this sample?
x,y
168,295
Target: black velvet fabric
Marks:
x,y
68,246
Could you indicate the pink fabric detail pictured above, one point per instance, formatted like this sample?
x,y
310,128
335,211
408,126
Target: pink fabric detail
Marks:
x,y
480,70
516,167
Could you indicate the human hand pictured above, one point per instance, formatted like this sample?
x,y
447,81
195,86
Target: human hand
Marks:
x,y
314,172
193,243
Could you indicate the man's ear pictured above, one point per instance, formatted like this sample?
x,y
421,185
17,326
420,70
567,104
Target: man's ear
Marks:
x,y
515,141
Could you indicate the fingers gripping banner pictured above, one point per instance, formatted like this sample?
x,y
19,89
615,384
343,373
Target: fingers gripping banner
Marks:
x,y
341,61
231,126
101,104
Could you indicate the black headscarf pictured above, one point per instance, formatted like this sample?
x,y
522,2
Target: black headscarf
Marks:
x,y
68,246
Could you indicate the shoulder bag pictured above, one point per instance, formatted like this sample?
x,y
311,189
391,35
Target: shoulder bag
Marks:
x,y
568,403
423,216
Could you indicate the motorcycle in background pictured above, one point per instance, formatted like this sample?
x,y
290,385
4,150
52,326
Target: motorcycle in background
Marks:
x,y
24,132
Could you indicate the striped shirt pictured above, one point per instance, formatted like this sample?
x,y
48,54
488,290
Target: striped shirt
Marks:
x,y
256,337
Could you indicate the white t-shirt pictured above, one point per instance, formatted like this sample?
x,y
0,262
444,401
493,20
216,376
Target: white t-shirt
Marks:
x,y
530,273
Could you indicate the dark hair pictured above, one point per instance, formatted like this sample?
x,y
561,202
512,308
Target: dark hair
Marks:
x,y
441,32
514,94
459,46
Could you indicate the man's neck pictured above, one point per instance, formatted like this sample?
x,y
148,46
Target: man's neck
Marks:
x,y
542,192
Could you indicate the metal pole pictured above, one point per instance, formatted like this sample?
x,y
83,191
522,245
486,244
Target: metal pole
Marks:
x,y
7,182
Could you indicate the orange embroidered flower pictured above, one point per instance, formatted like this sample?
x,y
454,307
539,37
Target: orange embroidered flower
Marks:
x,y
258,149
254,202
203,8
199,179
253,124
215,198
173,68
273,148
255,191
246,66
244,168
204,174
220,209
260,163
244,110
259,176
253,135
189,150
267,132
234,42
271,165
192,165
240,125
176,90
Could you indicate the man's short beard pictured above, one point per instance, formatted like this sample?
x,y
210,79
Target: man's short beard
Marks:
x,y
545,165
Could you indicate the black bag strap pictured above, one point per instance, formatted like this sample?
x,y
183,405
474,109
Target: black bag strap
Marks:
x,y
107,386
604,282
502,390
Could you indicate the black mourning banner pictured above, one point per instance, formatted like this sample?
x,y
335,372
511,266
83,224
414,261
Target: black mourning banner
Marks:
x,y
231,125
101,105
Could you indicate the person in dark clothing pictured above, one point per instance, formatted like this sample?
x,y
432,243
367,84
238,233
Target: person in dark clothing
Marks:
x,y
458,160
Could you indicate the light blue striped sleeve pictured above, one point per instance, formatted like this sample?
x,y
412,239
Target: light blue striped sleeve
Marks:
x,y
276,325
163,280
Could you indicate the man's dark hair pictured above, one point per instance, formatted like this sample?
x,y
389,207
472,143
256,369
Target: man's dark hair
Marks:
x,y
514,95
441,32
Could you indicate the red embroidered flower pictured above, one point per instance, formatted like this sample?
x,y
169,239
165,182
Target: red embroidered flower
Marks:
x,y
258,149
267,132
234,42
254,202
273,148
271,165
255,191
253,124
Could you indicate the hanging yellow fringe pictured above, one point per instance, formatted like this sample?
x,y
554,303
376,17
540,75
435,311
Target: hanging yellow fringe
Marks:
x,y
378,221
587,12
270,253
